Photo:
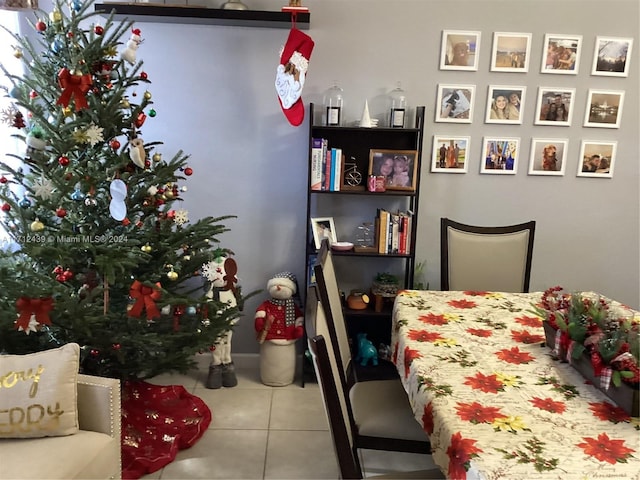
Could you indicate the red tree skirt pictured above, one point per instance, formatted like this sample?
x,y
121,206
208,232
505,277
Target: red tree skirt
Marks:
x,y
157,421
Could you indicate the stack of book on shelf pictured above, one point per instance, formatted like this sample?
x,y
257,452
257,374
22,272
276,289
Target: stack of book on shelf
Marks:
x,y
326,166
393,231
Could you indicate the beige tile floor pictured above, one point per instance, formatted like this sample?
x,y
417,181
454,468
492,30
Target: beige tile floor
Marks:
x,y
261,432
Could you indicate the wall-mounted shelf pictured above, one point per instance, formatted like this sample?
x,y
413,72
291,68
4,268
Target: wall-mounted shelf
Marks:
x,y
159,13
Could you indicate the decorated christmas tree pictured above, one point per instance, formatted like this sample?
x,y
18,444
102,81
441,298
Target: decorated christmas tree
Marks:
x,y
100,253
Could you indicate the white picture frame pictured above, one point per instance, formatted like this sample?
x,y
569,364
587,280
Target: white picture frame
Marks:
x,y
612,56
561,54
454,103
500,155
510,52
548,156
605,151
448,161
551,103
604,108
460,50
323,227
512,97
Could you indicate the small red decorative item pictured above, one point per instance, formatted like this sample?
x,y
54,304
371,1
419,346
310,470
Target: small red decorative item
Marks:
x,y
143,75
61,212
33,94
64,161
75,86
3,179
140,119
98,30
115,144
39,307
146,298
41,26
6,207
188,171
18,120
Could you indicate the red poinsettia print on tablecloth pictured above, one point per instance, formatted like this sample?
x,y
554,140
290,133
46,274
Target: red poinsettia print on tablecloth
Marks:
x,y
529,321
424,336
427,418
409,356
548,404
524,336
476,413
606,449
433,319
462,304
485,383
514,355
480,332
460,452
608,412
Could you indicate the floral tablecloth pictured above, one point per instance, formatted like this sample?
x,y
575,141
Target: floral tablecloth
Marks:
x,y
494,402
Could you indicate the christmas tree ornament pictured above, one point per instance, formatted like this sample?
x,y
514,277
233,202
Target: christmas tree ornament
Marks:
x,y
114,144
36,226
63,160
3,179
188,171
157,157
117,207
145,298
17,52
18,121
5,207
172,275
74,86
36,144
140,119
57,45
152,113
147,95
24,202
76,5
129,53
124,103
33,94
143,75
41,26
291,73
67,112
98,30
61,212
33,312
137,152
146,248
77,195
55,16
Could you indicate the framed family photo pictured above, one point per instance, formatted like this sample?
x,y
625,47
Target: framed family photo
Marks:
x,y
323,227
505,104
612,56
604,108
510,52
454,103
555,106
450,154
597,159
561,54
460,50
398,167
548,156
500,155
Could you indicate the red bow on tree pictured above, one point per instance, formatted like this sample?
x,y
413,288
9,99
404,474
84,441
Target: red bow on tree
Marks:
x,y
75,86
39,307
146,298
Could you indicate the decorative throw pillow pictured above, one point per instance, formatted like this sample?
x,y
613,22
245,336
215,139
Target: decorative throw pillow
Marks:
x,y
38,393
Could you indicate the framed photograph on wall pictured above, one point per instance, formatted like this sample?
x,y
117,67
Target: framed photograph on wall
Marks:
x,y
510,52
555,106
323,227
399,167
604,108
612,56
460,50
597,159
450,154
504,104
561,53
548,156
500,155
455,103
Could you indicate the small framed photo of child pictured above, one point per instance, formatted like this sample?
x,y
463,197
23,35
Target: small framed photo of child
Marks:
x,y
399,167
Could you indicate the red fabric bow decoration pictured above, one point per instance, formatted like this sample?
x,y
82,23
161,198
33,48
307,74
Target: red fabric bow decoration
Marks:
x,y
146,298
75,86
40,307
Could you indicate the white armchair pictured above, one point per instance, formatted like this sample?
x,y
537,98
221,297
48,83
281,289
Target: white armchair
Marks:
x,y
93,452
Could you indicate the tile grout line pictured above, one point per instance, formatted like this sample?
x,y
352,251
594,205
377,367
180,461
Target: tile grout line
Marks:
x,y
266,449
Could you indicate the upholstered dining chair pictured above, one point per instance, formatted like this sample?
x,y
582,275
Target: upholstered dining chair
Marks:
x,y
486,258
329,293
386,412
379,410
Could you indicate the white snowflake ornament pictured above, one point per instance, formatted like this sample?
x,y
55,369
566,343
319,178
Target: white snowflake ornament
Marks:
x,y
208,270
181,216
94,134
43,188
7,115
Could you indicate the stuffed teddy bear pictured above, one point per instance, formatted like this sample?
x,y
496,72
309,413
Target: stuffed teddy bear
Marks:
x,y
279,319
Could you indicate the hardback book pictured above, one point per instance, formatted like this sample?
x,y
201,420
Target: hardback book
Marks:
x,y
316,164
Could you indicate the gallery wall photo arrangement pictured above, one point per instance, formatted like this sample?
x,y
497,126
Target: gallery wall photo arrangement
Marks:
x,y
555,106
612,56
398,167
604,108
505,104
548,156
500,155
323,227
450,154
460,50
597,159
454,103
510,52
561,54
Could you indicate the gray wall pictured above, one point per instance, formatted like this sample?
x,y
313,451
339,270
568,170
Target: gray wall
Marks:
x,y
214,94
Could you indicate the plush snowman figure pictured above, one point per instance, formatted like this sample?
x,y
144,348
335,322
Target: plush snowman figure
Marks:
x,y
223,288
129,53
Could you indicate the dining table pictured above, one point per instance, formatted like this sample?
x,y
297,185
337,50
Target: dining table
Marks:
x,y
495,402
